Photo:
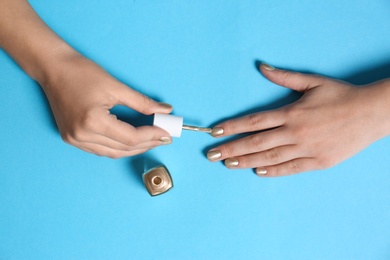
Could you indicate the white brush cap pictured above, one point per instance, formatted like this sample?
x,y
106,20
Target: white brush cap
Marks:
x,y
170,123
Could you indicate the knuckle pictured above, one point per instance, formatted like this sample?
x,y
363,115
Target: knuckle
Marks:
x,y
147,104
255,119
229,127
97,154
324,163
301,133
130,142
272,156
89,121
295,111
284,76
67,138
228,151
244,162
112,100
272,171
73,135
288,168
293,167
113,155
113,116
78,134
255,141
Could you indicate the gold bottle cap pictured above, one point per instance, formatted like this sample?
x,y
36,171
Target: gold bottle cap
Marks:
x,y
157,180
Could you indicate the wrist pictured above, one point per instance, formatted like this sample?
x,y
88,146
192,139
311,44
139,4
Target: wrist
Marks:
x,y
377,99
46,67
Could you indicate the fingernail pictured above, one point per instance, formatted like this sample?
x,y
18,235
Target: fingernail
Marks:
x,y
231,162
216,131
165,105
213,155
267,66
261,171
165,140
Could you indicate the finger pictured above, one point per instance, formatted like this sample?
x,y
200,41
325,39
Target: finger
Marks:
x,y
104,129
108,152
131,136
266,158
110,143
298,165
293,80
107,142
250,144
140,102
250,123
144,146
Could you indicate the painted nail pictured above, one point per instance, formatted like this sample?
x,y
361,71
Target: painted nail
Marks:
x,y
213,155
267,66
261,171
165,140
216,131
231,162
165,105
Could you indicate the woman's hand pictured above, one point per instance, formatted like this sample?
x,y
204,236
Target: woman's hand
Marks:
x,y
79,91
81,97
332,121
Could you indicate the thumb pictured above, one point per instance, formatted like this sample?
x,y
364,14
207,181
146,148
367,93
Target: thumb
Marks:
x,y
289,79
140,102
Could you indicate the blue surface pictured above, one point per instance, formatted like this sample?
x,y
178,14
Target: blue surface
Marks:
x,y
57,202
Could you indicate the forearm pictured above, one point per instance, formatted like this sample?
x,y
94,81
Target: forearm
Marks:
x,y
29,41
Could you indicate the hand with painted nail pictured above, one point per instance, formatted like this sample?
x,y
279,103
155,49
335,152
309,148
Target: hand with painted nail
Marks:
x,y
80,92
332,121
81,99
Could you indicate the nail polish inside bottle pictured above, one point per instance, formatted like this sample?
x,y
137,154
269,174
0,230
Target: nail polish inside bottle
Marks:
x,y
157,180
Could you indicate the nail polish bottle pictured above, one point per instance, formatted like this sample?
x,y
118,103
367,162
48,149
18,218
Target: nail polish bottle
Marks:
x,y
157,180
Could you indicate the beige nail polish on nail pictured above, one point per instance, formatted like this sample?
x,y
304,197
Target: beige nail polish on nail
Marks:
x,y
216,131
267,66
166,105
231,162
165,140
213,155
261,171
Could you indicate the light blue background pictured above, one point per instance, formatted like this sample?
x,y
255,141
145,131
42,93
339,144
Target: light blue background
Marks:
x,y
57,202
